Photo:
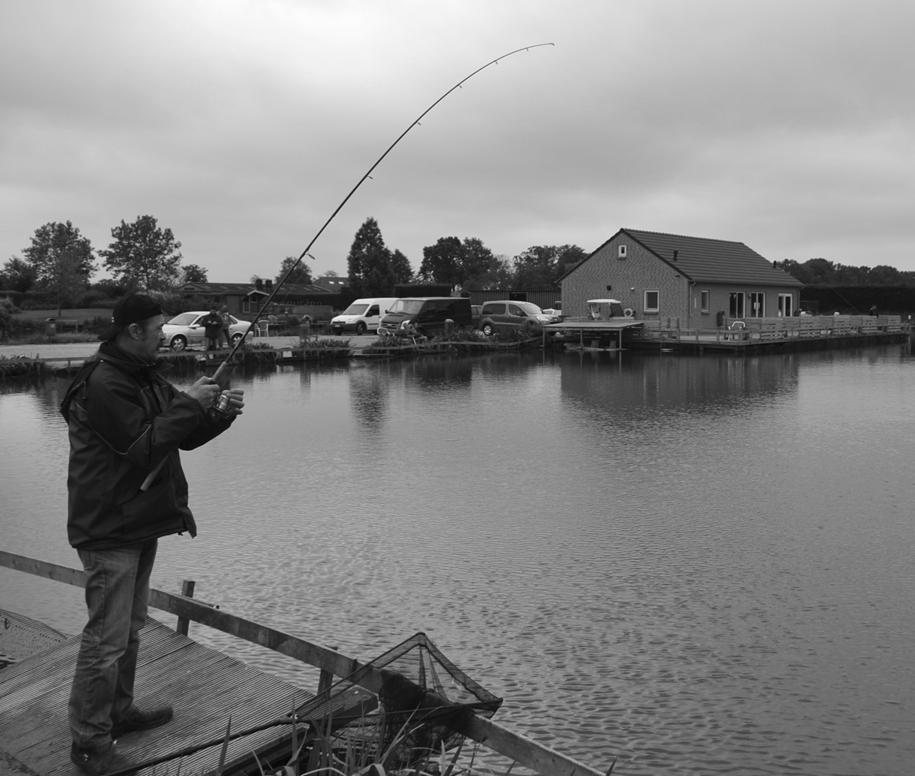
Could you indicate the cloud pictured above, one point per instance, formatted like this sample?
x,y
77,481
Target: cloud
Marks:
x,y
242,125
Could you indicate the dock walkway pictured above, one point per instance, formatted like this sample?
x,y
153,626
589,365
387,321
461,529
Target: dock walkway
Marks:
x,y
205,687
747,335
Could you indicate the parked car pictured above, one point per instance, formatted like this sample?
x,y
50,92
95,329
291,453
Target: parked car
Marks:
x,y
185,330
362,315
425,315
505,315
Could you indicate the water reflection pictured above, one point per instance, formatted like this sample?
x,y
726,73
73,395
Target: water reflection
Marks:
x,y
369,396
692,564
642,385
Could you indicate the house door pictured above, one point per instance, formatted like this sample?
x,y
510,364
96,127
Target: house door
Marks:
x,y
736,307
785,305
757,304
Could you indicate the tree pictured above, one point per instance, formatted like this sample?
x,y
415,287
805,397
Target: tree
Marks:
x,y
569,257
480,267
301,274
62,260
193,273
372,268
144,256
109,288
401,271
466,263
543,265
17,275
883,275
6,317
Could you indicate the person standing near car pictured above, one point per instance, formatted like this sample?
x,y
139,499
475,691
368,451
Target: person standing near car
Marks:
x,y
212,325
126,421
226,323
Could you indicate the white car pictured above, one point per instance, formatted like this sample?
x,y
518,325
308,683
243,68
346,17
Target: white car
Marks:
x,y
186,330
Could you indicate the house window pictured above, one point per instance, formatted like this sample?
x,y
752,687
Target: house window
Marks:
x,y
704,300
785,305
651,301
757,304
736,305
622,251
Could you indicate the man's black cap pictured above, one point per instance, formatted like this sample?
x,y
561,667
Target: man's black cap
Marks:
x,y
133,308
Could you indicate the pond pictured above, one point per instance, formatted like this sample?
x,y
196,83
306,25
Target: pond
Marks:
x,y
690,564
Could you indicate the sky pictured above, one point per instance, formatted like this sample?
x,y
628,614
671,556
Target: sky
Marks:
x,y
242,125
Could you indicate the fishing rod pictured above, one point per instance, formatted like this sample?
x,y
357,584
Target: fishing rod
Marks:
x,y
220,370
333,215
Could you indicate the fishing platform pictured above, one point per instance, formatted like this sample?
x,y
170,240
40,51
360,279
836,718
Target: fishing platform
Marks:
x,y
234,719
743,335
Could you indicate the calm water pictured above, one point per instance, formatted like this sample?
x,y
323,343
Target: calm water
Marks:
x,y
695,565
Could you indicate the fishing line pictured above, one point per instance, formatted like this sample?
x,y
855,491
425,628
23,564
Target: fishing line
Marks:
x,y
267,302
352,191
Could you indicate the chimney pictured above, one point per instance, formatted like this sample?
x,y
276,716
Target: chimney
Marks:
x,y
268,284
258,284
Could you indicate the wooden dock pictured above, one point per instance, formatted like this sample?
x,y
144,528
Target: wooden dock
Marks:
x,y
207,688
747,335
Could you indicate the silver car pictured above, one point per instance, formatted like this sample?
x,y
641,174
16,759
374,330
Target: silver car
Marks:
x,y
185,330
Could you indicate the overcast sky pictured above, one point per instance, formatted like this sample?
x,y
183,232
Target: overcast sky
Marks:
x,y
242,124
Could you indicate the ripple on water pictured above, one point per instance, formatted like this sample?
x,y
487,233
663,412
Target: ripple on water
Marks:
x,y
682,563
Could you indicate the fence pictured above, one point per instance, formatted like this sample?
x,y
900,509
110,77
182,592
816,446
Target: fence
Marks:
x,y
775,329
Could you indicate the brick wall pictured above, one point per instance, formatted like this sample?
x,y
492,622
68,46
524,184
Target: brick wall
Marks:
x,y
629,278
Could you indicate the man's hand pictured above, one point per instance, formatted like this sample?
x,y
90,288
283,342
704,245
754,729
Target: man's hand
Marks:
x,y
205,390
236,401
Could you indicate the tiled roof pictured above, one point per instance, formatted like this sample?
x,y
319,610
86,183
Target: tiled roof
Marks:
x,y
713,261
331,282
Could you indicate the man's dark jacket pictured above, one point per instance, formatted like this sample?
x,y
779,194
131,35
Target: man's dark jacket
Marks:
x,y
124,418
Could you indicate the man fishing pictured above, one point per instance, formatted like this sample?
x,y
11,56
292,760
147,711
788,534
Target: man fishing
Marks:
x,y
126,421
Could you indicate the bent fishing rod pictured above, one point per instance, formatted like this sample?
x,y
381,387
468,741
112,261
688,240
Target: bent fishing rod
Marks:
x,y
305,251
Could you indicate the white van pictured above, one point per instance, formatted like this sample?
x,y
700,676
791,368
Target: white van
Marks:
x,y
362,315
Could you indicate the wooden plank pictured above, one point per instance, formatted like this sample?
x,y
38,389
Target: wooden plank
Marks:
x,y
205,687
524,750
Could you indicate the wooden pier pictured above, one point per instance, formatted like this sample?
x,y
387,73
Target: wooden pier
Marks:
x,y
208,688
745,335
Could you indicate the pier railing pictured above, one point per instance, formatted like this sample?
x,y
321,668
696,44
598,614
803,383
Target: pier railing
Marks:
x,y
757,330
525,751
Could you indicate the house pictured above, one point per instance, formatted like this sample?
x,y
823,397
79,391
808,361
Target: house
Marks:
x,y
333,283
245,299
695,280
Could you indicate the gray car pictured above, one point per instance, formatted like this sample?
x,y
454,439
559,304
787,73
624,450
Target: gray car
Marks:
x,y
505,315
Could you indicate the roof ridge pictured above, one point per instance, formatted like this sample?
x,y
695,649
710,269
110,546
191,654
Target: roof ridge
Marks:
x,y
682,236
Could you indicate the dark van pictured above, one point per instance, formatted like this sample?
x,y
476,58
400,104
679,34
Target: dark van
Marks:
x,y
425,314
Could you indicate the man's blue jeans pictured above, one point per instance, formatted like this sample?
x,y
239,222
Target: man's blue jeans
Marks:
x,y
117,593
